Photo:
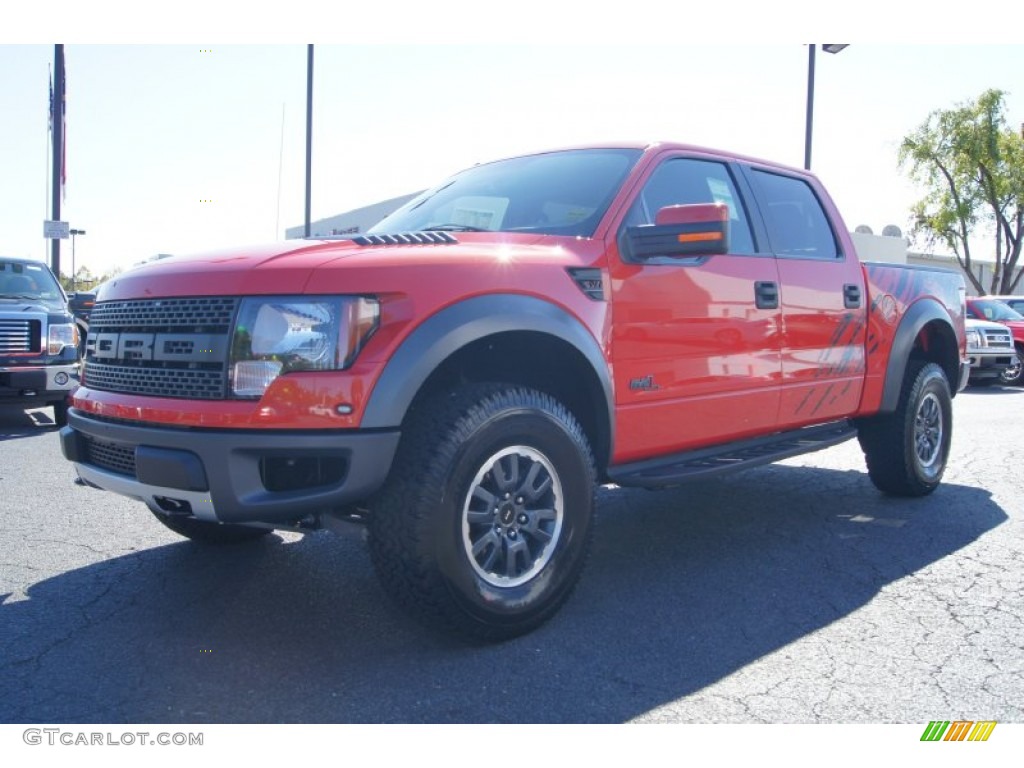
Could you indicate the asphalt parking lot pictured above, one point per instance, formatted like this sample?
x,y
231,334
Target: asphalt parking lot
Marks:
x,y
789,594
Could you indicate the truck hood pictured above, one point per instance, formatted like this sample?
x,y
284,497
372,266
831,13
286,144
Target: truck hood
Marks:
x,y
17,307
970,322
301,266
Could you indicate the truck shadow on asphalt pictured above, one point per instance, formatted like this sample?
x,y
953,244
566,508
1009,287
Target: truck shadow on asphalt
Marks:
x,y
993,390
684,587
16,422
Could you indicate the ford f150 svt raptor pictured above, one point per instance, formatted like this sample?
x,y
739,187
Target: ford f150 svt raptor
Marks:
x,y
461,376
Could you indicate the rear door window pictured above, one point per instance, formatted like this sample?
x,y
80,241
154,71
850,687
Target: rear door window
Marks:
x,y
797,224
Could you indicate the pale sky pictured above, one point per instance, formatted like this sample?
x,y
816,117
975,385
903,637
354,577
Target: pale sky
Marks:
x,y
179,148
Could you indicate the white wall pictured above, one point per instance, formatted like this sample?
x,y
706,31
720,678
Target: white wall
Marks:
x,y
892,250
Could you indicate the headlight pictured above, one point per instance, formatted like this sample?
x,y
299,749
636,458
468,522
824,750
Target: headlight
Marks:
x,y
61,335
279,334
974,339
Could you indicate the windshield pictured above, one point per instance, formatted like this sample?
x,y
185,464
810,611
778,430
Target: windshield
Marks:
x,y
556,193
29,281
995,310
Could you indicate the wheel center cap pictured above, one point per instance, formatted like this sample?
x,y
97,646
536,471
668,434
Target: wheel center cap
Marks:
x,y
508,514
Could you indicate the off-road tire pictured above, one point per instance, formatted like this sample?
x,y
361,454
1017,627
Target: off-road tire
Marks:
x,y
907,450
483,526
210,533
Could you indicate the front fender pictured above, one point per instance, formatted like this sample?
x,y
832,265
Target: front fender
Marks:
x,y
451,329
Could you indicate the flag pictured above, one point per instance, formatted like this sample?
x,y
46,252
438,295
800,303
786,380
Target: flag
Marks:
x,y
64,135
58,101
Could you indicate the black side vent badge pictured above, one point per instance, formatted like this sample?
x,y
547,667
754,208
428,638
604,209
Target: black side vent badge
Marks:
x,y
589,280
406,238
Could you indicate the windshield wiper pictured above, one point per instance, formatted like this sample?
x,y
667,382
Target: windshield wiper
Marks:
x,y
454,228
19,296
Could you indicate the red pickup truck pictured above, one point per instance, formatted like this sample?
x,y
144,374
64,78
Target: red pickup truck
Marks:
x,y
459,378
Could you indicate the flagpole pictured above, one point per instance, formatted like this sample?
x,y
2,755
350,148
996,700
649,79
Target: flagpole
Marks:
x,y
280,167
309,132
58,150
49,139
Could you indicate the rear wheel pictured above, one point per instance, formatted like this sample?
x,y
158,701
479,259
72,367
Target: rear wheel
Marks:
x,y
210,533
907,450
484,524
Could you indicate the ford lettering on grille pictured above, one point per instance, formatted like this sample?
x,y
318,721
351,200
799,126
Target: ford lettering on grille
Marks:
x,y
175,347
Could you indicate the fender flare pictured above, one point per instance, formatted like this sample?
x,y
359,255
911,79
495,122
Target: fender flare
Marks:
x,y
455,326
919,315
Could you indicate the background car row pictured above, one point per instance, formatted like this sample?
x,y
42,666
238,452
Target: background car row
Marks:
x,y
995,339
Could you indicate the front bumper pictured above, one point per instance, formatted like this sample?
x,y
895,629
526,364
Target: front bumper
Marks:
x,y
965,375
37,384
230,476
988,365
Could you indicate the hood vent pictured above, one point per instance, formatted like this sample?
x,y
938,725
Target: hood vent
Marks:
x,y
407,238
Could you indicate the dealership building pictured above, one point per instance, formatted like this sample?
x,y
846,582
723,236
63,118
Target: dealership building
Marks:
x,y
351,223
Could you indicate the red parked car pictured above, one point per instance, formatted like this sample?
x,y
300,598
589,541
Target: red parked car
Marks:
x,y
997,311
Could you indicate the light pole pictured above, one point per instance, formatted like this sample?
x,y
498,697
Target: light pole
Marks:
x,y
309,133
828,48
74,232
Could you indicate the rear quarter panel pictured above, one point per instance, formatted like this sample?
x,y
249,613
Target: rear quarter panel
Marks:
x,y
892,290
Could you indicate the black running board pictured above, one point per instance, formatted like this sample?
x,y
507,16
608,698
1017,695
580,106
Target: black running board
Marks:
x,y
731,457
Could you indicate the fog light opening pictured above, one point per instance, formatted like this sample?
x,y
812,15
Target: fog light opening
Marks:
x,y
281,473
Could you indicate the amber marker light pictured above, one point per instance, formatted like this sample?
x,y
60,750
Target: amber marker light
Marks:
x,y
699,237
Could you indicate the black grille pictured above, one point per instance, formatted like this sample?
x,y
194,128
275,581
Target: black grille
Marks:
x,y
998,338
110,456
207,313
196,323
158,382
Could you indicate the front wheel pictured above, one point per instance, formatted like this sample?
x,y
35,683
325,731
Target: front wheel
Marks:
x,y
907,450
1014,375
60,412
484,524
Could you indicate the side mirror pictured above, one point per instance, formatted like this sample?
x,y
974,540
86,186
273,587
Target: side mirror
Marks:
x,y
680,231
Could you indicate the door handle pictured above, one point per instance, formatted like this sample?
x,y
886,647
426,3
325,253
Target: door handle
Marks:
x,y
766,295
851,296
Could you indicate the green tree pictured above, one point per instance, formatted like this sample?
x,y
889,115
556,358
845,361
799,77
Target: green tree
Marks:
x,y
971,165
